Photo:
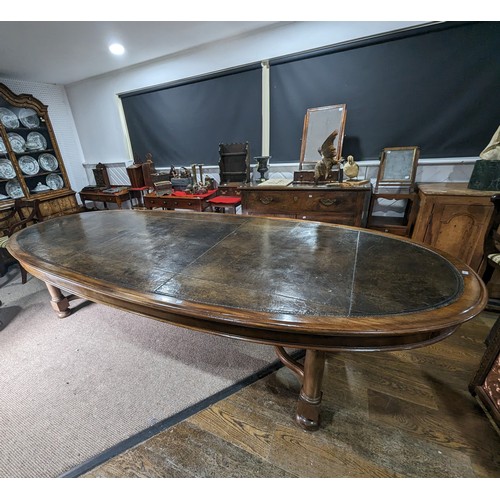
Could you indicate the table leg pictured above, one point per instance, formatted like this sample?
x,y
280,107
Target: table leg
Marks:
x,y
58,301
310,394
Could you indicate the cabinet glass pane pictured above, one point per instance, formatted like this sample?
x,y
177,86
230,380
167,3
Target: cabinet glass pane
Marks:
x,y
30,148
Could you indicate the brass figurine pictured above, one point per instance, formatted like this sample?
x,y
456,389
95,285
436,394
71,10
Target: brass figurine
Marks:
x,y
328,152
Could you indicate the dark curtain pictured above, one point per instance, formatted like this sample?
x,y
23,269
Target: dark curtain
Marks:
x,y
436,88
184,124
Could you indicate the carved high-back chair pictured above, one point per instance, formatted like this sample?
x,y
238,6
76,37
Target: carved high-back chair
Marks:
x,y
234,166
234,163
22,214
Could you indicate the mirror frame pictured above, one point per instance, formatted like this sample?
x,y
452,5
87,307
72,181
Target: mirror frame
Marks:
x,y
319,123
404,175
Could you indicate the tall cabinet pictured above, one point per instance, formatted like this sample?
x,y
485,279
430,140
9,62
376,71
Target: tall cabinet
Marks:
x,y
31,166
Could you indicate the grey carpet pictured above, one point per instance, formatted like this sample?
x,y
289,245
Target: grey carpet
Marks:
x,y
72,388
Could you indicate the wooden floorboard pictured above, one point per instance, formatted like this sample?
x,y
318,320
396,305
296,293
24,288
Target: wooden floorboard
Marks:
x,y
399,414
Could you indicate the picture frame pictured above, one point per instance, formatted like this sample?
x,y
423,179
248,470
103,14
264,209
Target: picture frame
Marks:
x,y
319,123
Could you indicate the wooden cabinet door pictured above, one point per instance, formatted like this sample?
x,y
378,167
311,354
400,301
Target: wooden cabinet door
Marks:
x,y
459,230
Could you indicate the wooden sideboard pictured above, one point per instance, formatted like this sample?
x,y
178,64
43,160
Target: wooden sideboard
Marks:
x,y
336,204
454,219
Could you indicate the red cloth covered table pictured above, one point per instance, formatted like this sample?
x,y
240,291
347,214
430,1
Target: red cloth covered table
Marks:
x,y
180,200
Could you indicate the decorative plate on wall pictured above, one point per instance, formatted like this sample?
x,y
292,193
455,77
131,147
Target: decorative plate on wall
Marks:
x,y
7,170
29,165
8,118
54,181
14,189
16,142
29,118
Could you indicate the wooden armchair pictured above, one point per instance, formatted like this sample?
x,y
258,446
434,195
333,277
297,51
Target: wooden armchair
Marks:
x,y
22,214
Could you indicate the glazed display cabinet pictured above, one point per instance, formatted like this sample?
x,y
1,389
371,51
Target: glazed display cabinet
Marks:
x,y
31,166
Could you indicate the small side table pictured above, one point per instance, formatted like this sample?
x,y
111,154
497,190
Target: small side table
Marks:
x,y
105,196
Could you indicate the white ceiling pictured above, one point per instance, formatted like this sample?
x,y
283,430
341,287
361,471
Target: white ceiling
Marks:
x,y
64,52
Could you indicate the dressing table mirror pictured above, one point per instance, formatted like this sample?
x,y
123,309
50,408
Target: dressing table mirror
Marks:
x,y
319,123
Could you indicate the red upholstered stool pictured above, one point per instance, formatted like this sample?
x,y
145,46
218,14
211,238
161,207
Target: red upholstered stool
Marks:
x,y
222,202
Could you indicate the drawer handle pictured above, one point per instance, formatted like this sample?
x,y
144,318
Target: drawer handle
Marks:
x,y
266,200
328,202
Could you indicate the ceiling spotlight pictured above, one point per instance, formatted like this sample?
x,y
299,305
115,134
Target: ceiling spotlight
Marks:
x,y
117,49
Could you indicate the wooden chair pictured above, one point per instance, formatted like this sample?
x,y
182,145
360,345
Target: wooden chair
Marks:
x,y
234,167
22,214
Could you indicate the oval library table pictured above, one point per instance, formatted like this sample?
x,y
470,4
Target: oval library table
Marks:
x,y
282,282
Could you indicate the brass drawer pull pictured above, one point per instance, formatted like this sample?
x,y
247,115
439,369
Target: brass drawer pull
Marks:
x,y
266,200
328,202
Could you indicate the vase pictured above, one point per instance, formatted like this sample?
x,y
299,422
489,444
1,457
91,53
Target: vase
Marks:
x,y
263,167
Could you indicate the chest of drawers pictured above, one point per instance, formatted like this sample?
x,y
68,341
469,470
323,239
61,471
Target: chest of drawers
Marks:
x,y
337,204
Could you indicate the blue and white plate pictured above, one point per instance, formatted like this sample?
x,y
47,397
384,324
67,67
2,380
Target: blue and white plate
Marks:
x,y
7,170
48,162
17,142
14,189
28,165
54,181
8,118
29,118
36,142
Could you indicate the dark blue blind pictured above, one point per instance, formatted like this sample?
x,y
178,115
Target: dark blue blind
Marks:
x,y
436,88
185,123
